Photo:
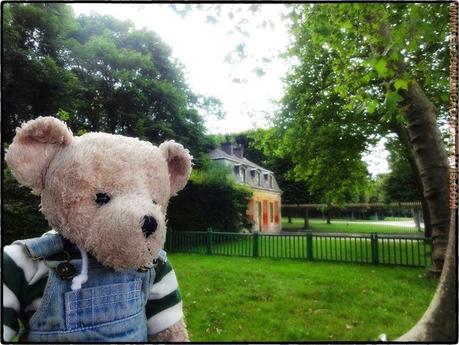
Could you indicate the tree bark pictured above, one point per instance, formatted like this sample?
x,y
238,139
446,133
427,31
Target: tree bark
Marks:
x,y
426,216
432,163
439,322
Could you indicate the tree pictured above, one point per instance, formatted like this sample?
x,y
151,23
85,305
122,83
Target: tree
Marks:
x,y
379,68
98,74
133,85
375,192
35,79
21,216
399,185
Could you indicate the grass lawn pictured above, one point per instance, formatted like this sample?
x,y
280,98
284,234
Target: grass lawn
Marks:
x,y
319,225
262,299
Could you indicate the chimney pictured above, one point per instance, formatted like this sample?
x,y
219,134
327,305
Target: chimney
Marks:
x,y
239,151
227,147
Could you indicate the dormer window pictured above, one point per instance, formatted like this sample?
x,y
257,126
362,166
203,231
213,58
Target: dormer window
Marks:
x,y
258,178
242,174
270,178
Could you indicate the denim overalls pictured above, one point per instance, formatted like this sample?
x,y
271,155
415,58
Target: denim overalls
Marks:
x,y
109,307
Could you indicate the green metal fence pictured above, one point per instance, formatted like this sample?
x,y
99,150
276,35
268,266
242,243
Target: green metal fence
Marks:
x,y
366,248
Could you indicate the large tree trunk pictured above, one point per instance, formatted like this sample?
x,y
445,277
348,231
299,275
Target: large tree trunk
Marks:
x,y
432,162
426,216
439,322
402,136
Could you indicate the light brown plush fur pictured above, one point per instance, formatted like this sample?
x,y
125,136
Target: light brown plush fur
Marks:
x,y
177,332
69,171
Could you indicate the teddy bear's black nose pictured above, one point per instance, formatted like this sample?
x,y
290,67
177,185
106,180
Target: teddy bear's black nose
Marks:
x,y
149,226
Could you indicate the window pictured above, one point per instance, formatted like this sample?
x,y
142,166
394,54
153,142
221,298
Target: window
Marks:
x,y
242,174
276,212
270,181
258,178
271,212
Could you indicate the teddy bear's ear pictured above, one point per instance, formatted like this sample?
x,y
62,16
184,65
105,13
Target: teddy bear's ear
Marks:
x,y
35,144
179,163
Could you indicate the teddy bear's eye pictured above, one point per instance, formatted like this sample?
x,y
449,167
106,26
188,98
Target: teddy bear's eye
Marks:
x,y
102,198
155,202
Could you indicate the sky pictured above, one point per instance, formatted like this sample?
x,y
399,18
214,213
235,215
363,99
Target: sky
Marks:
x,y
248,87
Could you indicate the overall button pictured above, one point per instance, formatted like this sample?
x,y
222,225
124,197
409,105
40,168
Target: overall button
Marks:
x,y
66,270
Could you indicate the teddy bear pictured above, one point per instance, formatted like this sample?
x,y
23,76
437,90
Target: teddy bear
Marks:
x,y
101,274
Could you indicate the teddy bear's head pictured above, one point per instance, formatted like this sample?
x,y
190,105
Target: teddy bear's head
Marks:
x,y
106,193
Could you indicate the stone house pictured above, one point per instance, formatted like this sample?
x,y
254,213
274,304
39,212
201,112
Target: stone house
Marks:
x,y
264,208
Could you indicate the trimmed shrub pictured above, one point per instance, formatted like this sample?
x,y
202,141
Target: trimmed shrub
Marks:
x,y
211,199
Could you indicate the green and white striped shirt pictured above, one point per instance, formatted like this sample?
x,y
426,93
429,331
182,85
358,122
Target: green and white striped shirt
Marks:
x,y
24,282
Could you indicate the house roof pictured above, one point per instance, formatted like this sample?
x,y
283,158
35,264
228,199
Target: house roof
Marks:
x,y
250,171
220,154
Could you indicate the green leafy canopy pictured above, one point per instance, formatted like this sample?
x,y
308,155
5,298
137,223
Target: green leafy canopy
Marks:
x,y
344,90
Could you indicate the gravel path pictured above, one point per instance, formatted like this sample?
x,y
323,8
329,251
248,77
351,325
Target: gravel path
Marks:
x,y
407,223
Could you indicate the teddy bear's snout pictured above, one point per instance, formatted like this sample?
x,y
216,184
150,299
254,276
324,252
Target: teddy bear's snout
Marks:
x,y
149,225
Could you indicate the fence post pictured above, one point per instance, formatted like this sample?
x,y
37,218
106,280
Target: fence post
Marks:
x,y
309,252
209,240
255,244
374,248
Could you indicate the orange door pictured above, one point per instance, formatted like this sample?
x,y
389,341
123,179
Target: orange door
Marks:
x,y
265,212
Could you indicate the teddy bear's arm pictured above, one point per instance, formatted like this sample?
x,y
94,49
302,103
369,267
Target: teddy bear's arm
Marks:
x,y
164,309
177,332
13,285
